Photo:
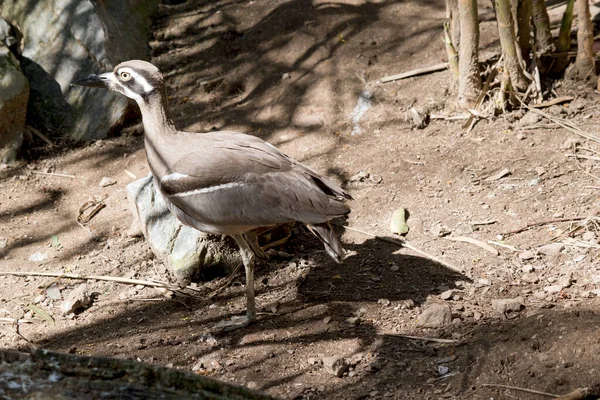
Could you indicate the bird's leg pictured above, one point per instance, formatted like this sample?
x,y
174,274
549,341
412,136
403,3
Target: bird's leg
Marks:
x,y
248,260
252,241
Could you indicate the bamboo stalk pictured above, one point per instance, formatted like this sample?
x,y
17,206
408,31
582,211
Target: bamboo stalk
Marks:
x,y
584,62
469,80
452,56
508,42
524,29
541,22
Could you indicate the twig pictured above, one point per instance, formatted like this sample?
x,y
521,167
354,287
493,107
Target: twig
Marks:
x,y
519,389
16,321
557,100
53,174
426,339
40,135
506,246
479,101
116,279
415,72
548,221
583,156
475,242
488,222
568,125
405,243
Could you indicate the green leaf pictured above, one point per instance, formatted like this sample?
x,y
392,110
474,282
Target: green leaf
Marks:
x,y
398,223
42,314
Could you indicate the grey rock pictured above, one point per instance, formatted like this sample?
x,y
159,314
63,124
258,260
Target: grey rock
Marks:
x,y
477,315
566,280
384,302
529,119
252,385
526,255
446,295
507,305
551,249
375,366
335,365
185,250
527,269
78,298
14,94
67,39
553,288
406,304
435,316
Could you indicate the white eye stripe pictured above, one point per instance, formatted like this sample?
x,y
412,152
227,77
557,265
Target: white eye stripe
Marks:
x,y
138,78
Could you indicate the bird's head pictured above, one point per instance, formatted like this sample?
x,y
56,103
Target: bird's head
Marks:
x,y
135,79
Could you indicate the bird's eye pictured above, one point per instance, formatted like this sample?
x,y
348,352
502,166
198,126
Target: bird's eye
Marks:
x,y
125,76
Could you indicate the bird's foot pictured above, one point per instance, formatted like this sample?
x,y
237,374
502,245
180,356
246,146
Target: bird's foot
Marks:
x,y
236,322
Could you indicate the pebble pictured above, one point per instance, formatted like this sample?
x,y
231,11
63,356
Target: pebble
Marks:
x,y
326,320
507,305
484,281
443,370
78,298
553,288
106,181
407,304
394,268
551,249
352,321
589,236
314,361
435,316
252,385
526,269
526,255
447,294
384,302
38,257
335,365
539,294
529,119
375,366
566,280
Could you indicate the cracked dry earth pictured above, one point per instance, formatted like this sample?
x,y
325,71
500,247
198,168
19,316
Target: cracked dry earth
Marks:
x,y
291,72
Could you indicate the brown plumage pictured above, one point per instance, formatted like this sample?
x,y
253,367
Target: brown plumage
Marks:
x,y
226,182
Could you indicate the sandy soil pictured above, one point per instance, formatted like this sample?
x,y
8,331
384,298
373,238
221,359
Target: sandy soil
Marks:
x,y
292,73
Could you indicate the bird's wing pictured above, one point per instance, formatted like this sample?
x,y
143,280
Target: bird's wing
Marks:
x,y
240,180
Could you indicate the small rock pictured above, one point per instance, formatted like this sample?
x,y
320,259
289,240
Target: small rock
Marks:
x,y
539,294
507,305
529,119
335,365
285,76
456,321
38,257
375,366
207,364
384,302
566,280
443,370
484,282
314,361
556,110
551,249
78,298
540,170
352,321
38,299
361,176
447,294
2,244
527,269
106,181
435,316
407,304
252,385
553,289
526,255
394,268
589,236
326,320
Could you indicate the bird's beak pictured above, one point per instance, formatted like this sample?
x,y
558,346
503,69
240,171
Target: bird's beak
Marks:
x,y
95,81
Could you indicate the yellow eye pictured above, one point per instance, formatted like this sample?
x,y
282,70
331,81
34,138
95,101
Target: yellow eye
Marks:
x,y
125,76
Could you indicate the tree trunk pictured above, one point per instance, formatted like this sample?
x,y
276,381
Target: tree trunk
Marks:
x,y
541,22
452,15
524,29
508,42
452,57
584,63
563,44
469,79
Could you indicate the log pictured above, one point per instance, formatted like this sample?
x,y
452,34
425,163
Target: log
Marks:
x,y
45,374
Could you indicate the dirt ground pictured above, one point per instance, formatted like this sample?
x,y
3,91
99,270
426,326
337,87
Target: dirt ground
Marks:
x,y
292,72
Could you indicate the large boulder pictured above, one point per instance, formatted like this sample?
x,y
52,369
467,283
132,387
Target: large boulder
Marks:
x,y
186,251
14,93
67,39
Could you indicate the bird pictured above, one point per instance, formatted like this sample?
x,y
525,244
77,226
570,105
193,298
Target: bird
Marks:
x,y
224,182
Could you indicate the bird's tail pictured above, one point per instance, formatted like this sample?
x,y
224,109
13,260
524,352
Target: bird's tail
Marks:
x,y
332,243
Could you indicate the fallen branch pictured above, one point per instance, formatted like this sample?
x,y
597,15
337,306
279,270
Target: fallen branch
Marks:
x,y
127,281
557,100
415,72
475,242
519,389
405,243
545,222
426,339
40,135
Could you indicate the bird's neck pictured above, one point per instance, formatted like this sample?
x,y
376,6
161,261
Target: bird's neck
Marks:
x,y
156,117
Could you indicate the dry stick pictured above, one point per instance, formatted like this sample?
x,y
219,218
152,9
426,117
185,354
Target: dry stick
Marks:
x,y
405,243
40,135
426,339
583,156
415,72
486,87
568,125
16,321
548,221
53,174
116,279
519,389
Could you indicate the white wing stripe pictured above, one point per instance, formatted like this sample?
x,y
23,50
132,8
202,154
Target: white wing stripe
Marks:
x,y
175,176
209,189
